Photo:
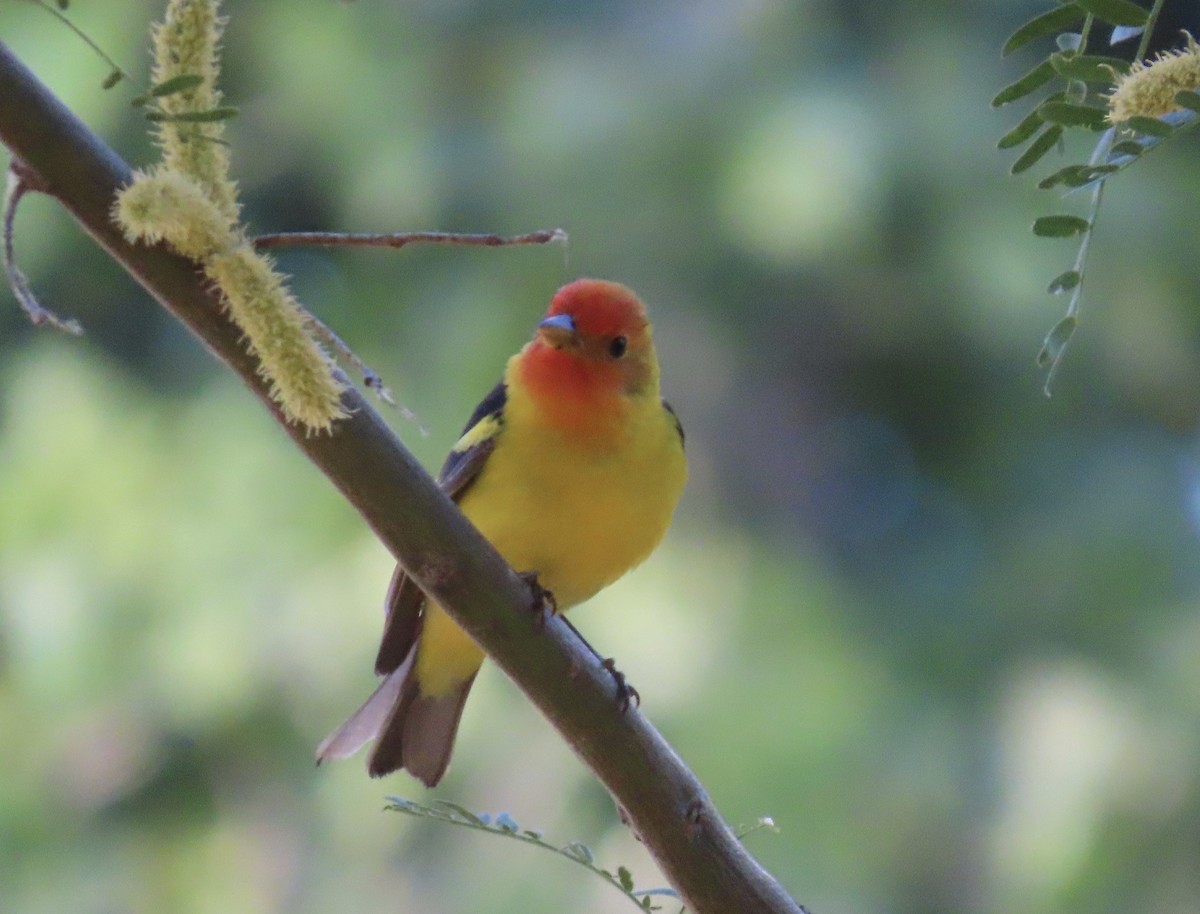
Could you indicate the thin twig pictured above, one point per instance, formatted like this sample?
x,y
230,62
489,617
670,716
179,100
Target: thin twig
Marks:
x,y
400,239
1099,155
117,73
21,180
370,377
1085,245
392,240
1148,29
505,826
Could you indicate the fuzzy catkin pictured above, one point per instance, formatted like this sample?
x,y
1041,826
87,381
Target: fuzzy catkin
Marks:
x,y
186,43
1149,88
189,202
167,205
277,332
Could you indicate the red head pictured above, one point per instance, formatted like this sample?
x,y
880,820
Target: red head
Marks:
x,y
594,344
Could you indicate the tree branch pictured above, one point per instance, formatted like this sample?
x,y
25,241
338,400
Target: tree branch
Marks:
x,y
451,561
401,239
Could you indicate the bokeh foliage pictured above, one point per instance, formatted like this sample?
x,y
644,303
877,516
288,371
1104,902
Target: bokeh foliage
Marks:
x,y
943,631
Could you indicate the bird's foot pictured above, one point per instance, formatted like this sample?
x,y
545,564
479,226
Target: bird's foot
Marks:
x,y
626,694
543,602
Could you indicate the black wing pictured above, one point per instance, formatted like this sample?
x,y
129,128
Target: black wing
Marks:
x,y
678,425
478,438
463,463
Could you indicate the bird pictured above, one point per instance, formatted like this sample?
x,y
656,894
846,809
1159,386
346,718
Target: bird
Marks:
x,y
571,467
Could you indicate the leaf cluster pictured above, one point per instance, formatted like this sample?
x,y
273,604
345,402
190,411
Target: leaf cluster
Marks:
x,y
1075,83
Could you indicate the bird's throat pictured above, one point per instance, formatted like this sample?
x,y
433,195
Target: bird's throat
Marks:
x,y
579,397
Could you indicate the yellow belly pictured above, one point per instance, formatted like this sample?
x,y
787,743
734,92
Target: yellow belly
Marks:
x,y
579,517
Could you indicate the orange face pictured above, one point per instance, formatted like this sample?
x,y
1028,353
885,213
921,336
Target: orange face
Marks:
x,y
594,342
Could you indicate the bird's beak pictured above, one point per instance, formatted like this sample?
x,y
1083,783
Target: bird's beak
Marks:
x,y
558,330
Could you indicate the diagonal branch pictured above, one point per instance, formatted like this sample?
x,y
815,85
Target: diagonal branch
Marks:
x,y
667,805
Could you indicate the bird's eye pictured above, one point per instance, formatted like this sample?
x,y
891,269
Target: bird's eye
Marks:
x,y
617,347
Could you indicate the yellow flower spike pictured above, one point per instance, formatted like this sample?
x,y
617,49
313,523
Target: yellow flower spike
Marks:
x,y
165,205
277,330
1149,88
189,202
186,44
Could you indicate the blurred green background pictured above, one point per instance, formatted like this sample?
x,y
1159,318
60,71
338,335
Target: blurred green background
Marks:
x,y
942,630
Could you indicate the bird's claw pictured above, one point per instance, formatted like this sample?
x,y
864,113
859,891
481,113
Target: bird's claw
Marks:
x,y
626,694
544,603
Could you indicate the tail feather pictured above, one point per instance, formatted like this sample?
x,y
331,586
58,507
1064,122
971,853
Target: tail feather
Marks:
x,y
419,732
365,724
411,730
402,624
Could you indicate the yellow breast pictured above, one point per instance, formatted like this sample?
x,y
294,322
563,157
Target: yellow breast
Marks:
x,y
580,511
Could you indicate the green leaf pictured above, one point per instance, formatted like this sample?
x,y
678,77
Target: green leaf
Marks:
x,y
1056,340
1019,134
1058,177
580,851
181,83
1064,282
1030,82
1060,226
1077,175
1189,100
1091,68
1148,125
1069,115
192,117
1047,23
1126,148
1116,12
625,878
1070,175
1038,148
454,811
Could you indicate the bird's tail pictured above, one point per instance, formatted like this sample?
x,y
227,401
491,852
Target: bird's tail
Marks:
x,y
411,730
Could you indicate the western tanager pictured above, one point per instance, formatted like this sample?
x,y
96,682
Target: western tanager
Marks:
x,y
571,467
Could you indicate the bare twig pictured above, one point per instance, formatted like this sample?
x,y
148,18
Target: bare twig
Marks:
x,y
371,378
400,239
392,240
505,826
443,552
21,180
116,74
